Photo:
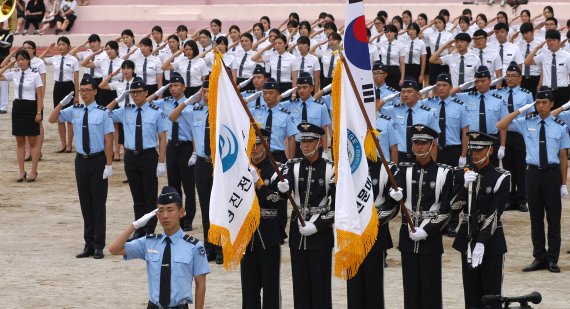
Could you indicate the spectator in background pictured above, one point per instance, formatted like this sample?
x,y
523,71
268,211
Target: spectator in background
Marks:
x,y
67,15
20,9
52,6
35,11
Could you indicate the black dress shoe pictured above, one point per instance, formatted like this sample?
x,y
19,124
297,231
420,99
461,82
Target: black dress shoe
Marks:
x,y
220,259
451,232
211,256
85,253
523,207
553,268
535,265
98,254
568,251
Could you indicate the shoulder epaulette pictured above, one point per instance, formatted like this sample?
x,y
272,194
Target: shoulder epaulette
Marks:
x,y
385,117
559,121
78,106
399,104
502,171
153,106
406,164
427,108
496,96
168,98
286,111
525,90
154,236
101,107
456,100
258,106
250,91
191,239
444,165
432,98
473,92
459,168
198,107
318,101
531,115
391,89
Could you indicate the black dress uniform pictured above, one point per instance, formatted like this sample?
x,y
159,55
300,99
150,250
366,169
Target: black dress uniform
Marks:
x,y
481,225
261,263
311,256
427,192
366,289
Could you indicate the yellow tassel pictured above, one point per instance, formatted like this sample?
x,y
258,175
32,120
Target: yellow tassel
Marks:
x,y
336,103
213,101
370,146
350,254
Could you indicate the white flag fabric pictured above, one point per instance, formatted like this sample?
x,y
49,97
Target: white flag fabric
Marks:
x,y
234,211
356,221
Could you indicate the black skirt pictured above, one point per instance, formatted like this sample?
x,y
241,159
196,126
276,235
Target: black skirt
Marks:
x,y
60,90
23,118
106,96
189,91
394,75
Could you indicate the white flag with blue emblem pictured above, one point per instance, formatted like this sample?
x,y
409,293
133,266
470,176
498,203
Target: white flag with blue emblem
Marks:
x,y
234,211
356,221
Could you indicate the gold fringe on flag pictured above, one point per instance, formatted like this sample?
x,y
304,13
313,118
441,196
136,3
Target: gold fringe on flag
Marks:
x,y
335,93
370,146
220,235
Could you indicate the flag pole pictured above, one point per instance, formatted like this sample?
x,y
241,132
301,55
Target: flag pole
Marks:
x,y
391,178
264,143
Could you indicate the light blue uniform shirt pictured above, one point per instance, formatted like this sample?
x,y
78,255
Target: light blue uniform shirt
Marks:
x,y
387,137
521,97
154,122
317,112
196,115
100,123
188,259
495,109
167,106
456,117
556,137
257,102
421,114
282,124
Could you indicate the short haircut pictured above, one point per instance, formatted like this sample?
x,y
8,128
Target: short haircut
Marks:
x,y
193,46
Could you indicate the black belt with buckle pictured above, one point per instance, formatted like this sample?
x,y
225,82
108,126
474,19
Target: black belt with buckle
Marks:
x,y
144,151
546,167
154,306
91,155
203,159
448,147
179,143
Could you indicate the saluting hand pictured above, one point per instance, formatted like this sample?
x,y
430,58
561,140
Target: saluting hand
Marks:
x,y
142,221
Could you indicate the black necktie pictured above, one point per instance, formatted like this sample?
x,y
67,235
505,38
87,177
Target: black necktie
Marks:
x,y
269,121
175,127
510,106
144,70
128,50
411,55
60,79
302,67
138,131
21,87
110,66
258,102
388,53
207,150
377,93
331,66
279,70
304,112
482,118
527,67
461,70
188,71
437,42
164,296
554,82
128,97
85,131
240,72
442,138
501,54
542,156
409,124
481,56
92,71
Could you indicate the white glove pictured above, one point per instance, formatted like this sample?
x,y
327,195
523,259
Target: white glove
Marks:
x,y
563,191
426,90
494,82
391,97
191,99
309,229
254,174
283,186
327,88
469,177
419,234
122,96
162,89
142,221
253,96
67,99
192,159
288,92
462,161
245,82
325,155
108,171
566,106
477,257
396,195
526,107
501,153
160,169
467,85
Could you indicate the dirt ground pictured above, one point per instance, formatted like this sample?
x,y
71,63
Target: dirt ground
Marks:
x,y
42,231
